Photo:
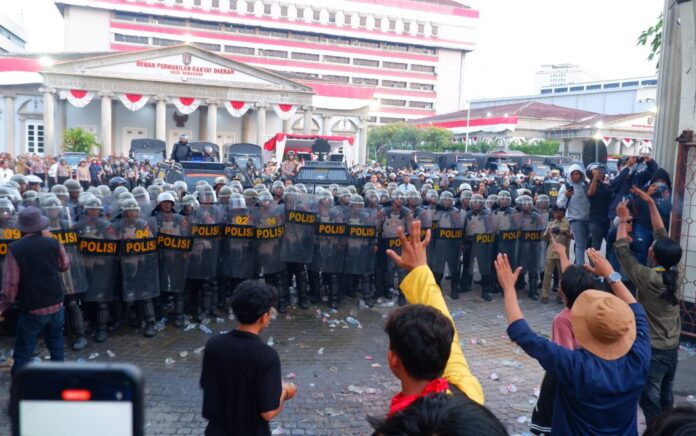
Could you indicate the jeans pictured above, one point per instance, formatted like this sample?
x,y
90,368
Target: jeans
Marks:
x,y
657,395
29,327
642,240
599,231
581,231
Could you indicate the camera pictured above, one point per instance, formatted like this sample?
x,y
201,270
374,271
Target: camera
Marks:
x,y
556,231
640,159
569,187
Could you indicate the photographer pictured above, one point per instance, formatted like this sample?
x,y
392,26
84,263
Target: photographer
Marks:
x,y
659,190
573,198
600,197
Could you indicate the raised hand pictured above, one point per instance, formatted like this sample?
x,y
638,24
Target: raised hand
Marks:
x,y
413,249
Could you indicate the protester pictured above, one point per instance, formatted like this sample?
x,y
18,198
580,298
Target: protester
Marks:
x,y
573,198
559,230
599,195
241,378
657,290
680,421
5,172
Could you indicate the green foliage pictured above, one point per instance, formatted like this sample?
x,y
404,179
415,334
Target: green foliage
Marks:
x,y
652,37
78,140
402,136
542,148
481,147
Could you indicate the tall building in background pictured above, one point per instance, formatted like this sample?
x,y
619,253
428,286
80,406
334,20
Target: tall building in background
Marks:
x,y
562,74
403,58
12,37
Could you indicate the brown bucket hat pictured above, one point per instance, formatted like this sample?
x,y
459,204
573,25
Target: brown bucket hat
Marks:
x,y
603,324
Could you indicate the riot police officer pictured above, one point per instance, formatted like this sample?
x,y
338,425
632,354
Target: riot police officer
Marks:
x,y
480,233
533,226
299,212
391,218
361,246
268,220
327,259
447,235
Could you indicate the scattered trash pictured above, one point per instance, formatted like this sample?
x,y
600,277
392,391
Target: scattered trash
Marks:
x,y
270,341
482,341
503,389
375,365
522,419
330,412
231,317
93,356
511,364
333,311
691,399
511,388
499,316
321,351
278,430
456,314
291,339
474,341
387,304
369,358
494,376
110,353
355,390
352,321
362,305
205,329
168,361
183,354
37,359
199,350
333,369
220,320
190,327
292,375
536,392
46,357
81,360
205,321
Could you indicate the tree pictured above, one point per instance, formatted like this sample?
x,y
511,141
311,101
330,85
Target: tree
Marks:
x,y
652,37
481,147
77,139
402,136
540,148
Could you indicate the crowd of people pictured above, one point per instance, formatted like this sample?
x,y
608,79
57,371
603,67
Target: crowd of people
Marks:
x,y
132,249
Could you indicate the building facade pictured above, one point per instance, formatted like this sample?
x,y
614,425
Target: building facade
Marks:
x,y
403,59
12,37
552,75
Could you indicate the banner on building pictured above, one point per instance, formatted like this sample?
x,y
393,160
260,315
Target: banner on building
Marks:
x,y
237,108
77,97
186,105
284,111
133,102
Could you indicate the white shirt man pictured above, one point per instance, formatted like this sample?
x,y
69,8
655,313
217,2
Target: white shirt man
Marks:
x,y
407,185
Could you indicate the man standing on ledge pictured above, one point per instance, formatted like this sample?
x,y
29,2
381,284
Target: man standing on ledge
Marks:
x,y
182,149
32,277
289,168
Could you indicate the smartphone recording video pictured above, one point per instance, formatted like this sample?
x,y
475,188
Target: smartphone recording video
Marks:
x,y
78,400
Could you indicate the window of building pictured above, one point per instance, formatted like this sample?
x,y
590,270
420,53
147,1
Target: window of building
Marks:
x,y
332,17
422,86
250,7
283,11
378,23
611,85
365,62
337,59
365,81
126,16
316,15
266,9
133,39
393,102
388,120
371,119
576,88
305,56
197,3
204,25
207,46
650,82
560,90
300,13
273,33
407,26
347,19
335,40
546,91
304,37
395,47
333,78
434,30
419,49
215,4
35,137
240,50
273,53
393,84
593,87
421,28
164,42
394,65
308,76
234,28
421,104
170,21
423,68
180,2
392,25
364,43
629,84
363,21
233,5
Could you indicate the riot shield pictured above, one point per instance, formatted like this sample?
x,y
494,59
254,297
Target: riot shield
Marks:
x,y
139,259
533,226
480,231
268,233
237,245
361,239
8,234
447,239
551,188
300,219
507,225
174,244
329,240
74,280
99,252
205,231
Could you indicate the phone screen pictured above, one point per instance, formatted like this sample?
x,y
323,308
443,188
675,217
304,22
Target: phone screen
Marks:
x,y
86,400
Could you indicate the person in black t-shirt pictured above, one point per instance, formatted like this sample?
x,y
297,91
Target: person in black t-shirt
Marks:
x,y
599,195
241,379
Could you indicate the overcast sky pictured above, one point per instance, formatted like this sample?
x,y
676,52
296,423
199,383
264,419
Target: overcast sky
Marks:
x,y
515,38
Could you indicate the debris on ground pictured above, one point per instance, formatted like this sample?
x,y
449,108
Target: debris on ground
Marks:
x,y
270,341
330,412
321,351
93,356
110,353
494,376
183,354
168,361
292,375
199,350
205,329
190,327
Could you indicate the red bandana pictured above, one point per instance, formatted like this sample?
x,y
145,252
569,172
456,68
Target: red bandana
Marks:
x,y
400,401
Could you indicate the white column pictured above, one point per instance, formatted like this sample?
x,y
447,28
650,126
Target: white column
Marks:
x,y
307,123
49,108
287,126
10,124
161,118
261,123
211,121
325,124
247,135
362,143
106,121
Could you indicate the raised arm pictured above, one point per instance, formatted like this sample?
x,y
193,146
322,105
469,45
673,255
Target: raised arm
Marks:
x,y
655,216
603,268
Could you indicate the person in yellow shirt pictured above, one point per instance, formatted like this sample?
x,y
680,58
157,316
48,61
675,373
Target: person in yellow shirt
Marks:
x,y
427,322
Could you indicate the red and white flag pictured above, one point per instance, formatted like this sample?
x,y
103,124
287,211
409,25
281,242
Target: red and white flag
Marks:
x,y
186,105
133,102
284,111
77,97
627,142
237,108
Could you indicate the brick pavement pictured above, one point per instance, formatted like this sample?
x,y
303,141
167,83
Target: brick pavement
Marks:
x,y
341,371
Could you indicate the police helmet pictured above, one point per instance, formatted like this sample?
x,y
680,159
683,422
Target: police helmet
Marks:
x,y
158,182
426,187
34,180
476,200
432,195
446,199
371,196
129,204
290,194
333,188
357,200
392,186
124,195
343,192
153,191
250,194
352,190
265,198
60,191
543,201
221,180
383,195
504,198
206,194
465,195
464,187
260,187
278,187
491,200
6,207
73,185
413,198
302,188
118,191
140,192
165,196
595,166
190,201
325,197
225,192
104,191
524,191
49,203
6,193
92,203
30,195
237,201
115,182
368,185
398,194
525,201
20,179
180,186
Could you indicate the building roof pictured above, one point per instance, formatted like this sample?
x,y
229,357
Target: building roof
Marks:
x,y
591,123
521,110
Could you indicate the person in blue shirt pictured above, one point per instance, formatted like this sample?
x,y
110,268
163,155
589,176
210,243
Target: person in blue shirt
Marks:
x,y
599,385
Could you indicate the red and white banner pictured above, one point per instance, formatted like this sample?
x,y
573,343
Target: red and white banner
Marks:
x,y
627,142
646,146
77,97
237,108
133,102
284,111
186,105
276,147
607,140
